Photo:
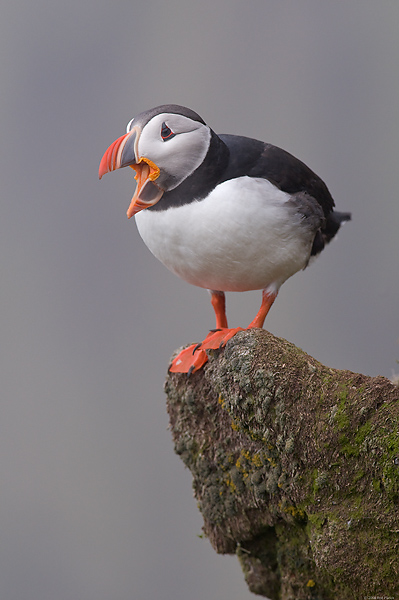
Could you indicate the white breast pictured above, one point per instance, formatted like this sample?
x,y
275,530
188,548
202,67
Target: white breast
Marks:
x,y
244,236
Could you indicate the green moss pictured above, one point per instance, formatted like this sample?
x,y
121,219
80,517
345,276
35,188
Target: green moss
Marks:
x,y
347,448
391,443
294,466
358,476
363,432
390,480
376,485
316,520
341,418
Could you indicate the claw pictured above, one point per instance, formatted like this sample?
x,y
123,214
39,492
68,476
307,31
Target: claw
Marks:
x,y
184,362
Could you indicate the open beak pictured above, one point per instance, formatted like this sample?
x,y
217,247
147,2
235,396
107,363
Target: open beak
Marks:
x,y
123,153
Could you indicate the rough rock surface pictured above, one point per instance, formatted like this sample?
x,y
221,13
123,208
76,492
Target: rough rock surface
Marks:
x,y
295,468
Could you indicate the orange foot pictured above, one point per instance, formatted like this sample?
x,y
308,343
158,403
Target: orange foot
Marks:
x,y
194,357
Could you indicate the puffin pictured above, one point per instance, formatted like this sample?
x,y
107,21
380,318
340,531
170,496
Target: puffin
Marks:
x,y
224,212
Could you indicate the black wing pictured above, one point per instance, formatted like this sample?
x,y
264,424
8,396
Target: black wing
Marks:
x,y
289,174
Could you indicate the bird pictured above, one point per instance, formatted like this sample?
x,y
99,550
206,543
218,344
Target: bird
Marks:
x,y
223,212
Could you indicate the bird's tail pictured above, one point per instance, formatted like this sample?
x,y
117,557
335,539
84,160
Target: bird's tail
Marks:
x,y
333,223
326,234
341,216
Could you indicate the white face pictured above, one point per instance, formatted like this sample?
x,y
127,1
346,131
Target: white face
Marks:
x,y
176,144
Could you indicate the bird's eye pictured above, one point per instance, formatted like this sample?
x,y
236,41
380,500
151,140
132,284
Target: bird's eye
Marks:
x,y
166,132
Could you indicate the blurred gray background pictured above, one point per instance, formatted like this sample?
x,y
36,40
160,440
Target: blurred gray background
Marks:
x,y
95,505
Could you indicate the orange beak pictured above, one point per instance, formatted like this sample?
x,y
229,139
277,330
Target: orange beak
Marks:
x,y
124,153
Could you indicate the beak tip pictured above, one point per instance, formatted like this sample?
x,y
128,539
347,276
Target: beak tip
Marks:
x,y
103,168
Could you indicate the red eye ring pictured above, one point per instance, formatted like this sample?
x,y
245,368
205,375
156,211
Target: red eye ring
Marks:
x,y
166,132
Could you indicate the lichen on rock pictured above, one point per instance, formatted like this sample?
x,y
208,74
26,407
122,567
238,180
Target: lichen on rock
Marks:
x,y
295,468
